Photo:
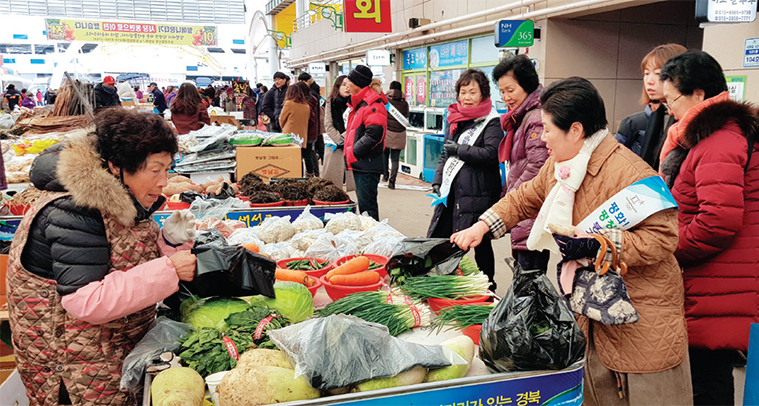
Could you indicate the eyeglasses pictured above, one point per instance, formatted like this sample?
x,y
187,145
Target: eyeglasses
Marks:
x,y
668,105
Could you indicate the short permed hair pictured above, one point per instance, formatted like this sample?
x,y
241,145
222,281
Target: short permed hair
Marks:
x,y
694,70
522,69
573,100
127,137
475,75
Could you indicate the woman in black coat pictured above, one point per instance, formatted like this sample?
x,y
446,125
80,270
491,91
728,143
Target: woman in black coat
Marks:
x,y
472,137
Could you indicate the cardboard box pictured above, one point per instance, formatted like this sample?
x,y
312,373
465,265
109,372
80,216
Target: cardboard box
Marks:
x,y
218,120
270,162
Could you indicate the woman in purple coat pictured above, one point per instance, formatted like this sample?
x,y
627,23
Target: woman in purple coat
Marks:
x,y
522,147
28,101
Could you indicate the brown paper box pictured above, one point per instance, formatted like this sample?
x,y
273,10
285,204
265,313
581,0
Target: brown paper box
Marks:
x,y
270,162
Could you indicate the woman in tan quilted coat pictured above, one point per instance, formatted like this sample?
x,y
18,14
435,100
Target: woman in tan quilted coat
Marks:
x,y
642,363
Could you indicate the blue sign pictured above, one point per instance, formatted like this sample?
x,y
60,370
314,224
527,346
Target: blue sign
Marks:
x,y
751,388
560,388
415,59
514,33
452,54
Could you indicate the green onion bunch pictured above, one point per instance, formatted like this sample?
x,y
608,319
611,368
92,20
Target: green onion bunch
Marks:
x,y
446,286
460,317
398,315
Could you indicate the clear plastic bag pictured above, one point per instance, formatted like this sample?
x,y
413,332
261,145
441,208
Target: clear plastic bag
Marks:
x,y
303,241
278,251
164,336
343,221
338,351
307,221
357,237
245,236
202,208
385,246
367,222
276,229
382,230
328,247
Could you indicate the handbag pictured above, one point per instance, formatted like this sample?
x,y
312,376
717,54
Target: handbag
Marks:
x,y
599,292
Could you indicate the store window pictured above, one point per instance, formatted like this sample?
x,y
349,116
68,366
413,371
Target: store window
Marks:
x,y
443,87
484,50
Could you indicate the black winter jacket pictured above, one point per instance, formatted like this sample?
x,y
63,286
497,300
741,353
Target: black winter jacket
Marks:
x,y
644,133
274,99
104,98
477,186
74,235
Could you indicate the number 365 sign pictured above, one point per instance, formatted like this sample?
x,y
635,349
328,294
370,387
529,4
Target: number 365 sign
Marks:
x,y
514,33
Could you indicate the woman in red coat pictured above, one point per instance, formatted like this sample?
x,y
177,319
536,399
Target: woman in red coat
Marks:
x,y
716,183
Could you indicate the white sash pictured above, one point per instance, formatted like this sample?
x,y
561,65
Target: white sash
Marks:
x,y
453,164
397,115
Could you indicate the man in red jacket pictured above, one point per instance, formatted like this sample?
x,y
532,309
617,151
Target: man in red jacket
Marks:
x,y
365,137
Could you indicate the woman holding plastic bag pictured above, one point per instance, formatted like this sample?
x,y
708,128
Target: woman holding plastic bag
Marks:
x,y
628,364
88,262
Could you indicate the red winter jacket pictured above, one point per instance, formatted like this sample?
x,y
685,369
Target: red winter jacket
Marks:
x,y
719,225
366,130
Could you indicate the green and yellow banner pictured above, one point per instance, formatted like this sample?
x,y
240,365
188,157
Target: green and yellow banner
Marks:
x,y
130,32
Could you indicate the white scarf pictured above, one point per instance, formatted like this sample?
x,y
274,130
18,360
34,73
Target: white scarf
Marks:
x,y
559,204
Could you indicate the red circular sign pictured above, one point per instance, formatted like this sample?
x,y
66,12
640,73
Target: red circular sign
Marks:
x,y
409,86
421,89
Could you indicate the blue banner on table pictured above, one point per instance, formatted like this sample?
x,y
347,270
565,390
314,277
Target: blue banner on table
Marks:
x,y
559,388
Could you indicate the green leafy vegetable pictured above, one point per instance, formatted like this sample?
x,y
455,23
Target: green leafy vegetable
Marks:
x,y
293,300
211,312
399,315
446,286
460,317
468,267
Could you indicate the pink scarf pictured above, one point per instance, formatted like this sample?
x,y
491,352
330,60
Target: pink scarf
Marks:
x,y
458,113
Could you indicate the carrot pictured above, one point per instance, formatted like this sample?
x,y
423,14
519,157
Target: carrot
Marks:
x,y
293,276
357,279
251,247
352,266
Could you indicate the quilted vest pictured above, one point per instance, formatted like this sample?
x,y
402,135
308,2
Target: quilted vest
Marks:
x,y
52,346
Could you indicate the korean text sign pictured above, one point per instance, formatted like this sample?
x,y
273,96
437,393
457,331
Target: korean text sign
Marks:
x,y
135,33
367,16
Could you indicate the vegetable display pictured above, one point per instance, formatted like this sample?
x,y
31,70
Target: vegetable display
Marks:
x,y
399,314
462,345
357,279
354,265
294,276
460,317
446,286
210,312
207,350
293,300
468,267
309,264
263,385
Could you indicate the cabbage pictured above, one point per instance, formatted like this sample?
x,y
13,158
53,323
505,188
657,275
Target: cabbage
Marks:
x,y
212,312
293,300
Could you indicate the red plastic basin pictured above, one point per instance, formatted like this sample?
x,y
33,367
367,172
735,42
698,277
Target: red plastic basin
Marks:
x,y
376,258
337,292
323,203
273,204
317,285
316,274
437,304
473,332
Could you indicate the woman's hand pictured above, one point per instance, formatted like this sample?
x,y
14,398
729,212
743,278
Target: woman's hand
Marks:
x,y
184,263
471,237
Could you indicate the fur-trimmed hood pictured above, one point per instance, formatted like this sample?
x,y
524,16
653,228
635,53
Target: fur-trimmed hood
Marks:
x,y
76,167
715,117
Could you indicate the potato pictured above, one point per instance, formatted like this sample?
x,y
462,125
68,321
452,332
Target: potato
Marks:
x,y
178,387
263,357
180,179
262,385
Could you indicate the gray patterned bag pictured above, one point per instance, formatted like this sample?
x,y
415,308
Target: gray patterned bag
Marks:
x,y
602,298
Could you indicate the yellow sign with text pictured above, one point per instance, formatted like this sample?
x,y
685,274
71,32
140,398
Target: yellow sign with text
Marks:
x,y
134,33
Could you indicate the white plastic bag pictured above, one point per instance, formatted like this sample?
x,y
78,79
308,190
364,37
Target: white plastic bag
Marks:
x,y
276,229
384,246
278,251
244,236
357,237
203,208
303,241
307,221
343,221
367,222
381,230
328,247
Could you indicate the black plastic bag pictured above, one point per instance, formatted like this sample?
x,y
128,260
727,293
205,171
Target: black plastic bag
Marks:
x,y
531,328
225,193
231,271
212,236
189,196
418,256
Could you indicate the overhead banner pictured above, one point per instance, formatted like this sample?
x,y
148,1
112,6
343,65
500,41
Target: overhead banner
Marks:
x,y
367,16
134,33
